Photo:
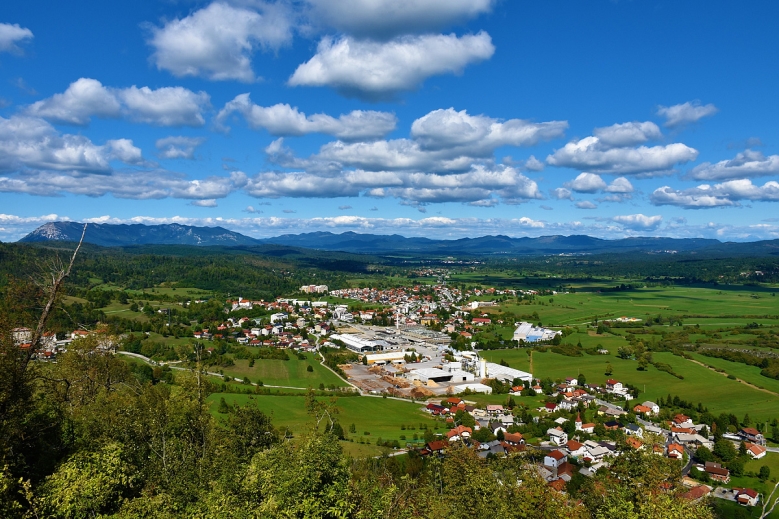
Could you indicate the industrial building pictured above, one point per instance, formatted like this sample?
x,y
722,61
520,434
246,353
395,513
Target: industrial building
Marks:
x,y
528,333
395,357
356,344
503,373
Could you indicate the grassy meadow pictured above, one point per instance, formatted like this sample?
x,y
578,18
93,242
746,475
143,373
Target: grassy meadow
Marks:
x,y
706,307
292,372
379,417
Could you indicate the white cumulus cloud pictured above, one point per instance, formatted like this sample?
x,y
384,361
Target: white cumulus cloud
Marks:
x,y
593,155
639,222
628,134
138,185
84,98
478,184
685,113
443,141
87,98
11,35
749,163
726,194
620,185
217,42
588,183
282,119
379,70
167,106
32,143
449,128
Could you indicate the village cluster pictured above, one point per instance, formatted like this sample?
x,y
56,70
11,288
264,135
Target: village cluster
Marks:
x,y
570,446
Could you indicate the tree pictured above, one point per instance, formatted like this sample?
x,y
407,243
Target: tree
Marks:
x,y
704,454
582,379
724,450
609,369
251,431
483,435
464,418
223,407
765,473
310,368
338,431
88,484
747,421
310,479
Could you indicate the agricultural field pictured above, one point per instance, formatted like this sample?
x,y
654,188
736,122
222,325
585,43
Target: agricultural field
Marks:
x,y
706,307
292,372
379,417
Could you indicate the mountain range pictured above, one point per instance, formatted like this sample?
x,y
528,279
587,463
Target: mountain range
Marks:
x,y
123,235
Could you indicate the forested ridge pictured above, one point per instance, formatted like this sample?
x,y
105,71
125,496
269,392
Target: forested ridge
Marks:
x,y
252,273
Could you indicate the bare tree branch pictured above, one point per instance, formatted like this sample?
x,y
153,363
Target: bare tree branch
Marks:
x,y
58,278
767,503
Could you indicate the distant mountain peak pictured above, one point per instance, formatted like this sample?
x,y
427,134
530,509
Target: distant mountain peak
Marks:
x,y
119,235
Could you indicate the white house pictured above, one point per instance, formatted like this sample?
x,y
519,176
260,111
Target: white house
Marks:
x,y
557,436
554,459
653,406
756,451
575,449
632,429
746,496
278,317
595,451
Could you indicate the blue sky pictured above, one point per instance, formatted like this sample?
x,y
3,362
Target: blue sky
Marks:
x,y
440,118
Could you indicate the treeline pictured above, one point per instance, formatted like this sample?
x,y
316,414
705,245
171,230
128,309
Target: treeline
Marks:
x,y
677,269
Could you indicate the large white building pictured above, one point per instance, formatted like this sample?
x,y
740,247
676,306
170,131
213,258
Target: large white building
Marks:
x,y
356,344
505,374
314,289
528,333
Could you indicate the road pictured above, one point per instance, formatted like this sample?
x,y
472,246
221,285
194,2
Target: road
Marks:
x,y
688,466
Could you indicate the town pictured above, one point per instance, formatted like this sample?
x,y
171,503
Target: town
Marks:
x,y
422,344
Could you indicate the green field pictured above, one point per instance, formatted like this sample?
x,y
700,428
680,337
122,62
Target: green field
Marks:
x,y
290,372
380,417
700,384
195,293
716,305
747,373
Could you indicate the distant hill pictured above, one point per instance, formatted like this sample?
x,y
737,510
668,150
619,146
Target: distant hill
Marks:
x,y
110,235
576,244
